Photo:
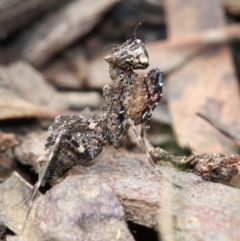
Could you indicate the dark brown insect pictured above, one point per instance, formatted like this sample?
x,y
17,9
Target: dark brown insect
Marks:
x,y
130,99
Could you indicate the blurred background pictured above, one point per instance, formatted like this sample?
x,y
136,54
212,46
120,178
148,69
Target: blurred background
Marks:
x,y
51,63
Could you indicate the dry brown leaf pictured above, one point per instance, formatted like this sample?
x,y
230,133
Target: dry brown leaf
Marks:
x,y
203,84
13,107
60,29
7,142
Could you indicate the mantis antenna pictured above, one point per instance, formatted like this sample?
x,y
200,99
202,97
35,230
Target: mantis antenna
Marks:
x,y
135,30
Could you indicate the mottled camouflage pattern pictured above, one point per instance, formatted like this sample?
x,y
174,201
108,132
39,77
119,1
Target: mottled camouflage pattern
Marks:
x,y
130,99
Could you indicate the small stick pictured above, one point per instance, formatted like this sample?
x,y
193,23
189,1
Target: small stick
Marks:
x,y
220,127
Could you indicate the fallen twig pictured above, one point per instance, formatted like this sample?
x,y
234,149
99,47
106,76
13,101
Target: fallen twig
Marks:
x,y
221,128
